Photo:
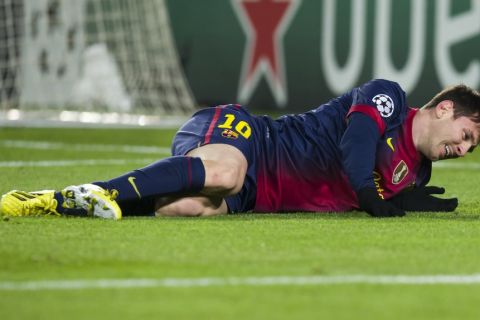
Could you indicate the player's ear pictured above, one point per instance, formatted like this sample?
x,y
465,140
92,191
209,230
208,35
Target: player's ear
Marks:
x,y
444,108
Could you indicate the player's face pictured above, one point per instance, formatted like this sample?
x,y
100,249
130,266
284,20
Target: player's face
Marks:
x,y
452,138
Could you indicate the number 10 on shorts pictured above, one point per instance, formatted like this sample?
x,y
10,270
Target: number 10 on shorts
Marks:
x,y
242,127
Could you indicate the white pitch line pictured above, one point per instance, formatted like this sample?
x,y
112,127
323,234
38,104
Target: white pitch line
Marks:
x,y
72,163
457,165
94,162
472,279
48,145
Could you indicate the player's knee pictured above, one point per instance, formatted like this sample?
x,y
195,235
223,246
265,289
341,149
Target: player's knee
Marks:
x,y
226,180
225,169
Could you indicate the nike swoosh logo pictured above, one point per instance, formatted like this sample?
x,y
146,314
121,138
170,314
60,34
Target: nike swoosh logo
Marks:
x,y
132,182
389,142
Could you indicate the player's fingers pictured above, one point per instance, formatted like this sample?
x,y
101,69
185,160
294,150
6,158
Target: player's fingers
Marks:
x,y
434,190
447,205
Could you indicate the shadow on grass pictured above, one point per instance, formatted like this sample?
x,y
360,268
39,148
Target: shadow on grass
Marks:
x,y
461,216
353,217
324,216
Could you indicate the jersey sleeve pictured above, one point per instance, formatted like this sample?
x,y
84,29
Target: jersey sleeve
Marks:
x,y
358,148
377,106
381,100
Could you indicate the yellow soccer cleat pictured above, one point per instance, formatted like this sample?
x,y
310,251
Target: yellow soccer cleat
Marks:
x,y
97,201
92,200
20,203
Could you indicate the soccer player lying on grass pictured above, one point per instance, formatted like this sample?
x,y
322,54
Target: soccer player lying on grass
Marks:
x,y
364,150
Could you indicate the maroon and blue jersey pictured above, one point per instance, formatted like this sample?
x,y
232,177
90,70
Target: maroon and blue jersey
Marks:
x,y
317,160
312,163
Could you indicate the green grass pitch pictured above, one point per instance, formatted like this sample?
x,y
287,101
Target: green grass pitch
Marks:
x,y
240,246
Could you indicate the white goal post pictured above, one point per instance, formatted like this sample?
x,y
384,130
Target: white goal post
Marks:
x,y
105,58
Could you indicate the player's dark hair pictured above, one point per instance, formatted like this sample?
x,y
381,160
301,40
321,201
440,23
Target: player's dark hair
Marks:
x,y
466,101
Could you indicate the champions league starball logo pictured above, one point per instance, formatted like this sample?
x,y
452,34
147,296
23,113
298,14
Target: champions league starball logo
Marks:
x,y
384,105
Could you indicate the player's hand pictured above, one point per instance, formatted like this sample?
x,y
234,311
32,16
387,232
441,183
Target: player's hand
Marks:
x,y
422,199
370,201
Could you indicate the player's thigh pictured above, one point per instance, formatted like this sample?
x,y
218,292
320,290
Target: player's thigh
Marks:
x,y
190,206
223,138
225,166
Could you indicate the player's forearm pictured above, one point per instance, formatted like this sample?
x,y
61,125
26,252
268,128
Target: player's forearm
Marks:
x,y
358,146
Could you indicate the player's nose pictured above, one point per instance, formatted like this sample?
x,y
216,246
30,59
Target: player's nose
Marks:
x,y
462,148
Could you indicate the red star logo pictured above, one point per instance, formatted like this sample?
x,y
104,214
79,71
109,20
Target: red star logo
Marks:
x,y
264,22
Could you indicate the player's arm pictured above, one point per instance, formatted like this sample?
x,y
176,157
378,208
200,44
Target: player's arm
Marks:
x,y
358,147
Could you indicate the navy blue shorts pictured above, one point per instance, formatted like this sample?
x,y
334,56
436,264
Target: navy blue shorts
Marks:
x,y
228,124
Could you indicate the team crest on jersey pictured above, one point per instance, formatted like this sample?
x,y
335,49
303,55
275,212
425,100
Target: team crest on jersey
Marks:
x,y
230,134
384,104
400,172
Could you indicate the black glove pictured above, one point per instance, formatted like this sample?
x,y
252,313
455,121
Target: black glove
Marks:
x,y
370,201
421,199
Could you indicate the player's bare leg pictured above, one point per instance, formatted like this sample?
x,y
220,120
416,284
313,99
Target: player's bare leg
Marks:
x,y
225,169
190,206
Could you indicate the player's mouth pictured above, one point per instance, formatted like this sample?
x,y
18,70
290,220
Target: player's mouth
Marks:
x,y
448,151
